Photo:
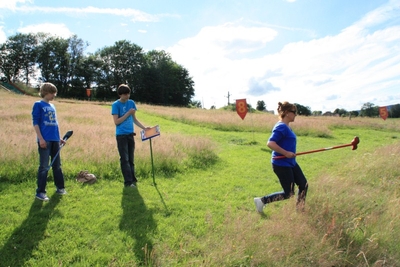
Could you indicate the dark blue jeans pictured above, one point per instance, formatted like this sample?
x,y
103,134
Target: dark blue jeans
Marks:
x,y
288,177
44,156
126,149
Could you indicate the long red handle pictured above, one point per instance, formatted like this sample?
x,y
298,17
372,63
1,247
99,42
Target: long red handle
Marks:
x,y
353,143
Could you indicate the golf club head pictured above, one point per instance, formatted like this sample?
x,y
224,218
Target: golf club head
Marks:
x,y
68,135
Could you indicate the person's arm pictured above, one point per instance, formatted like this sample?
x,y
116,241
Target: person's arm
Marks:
x,y
137,122
36,118
120,120
42,142
275,147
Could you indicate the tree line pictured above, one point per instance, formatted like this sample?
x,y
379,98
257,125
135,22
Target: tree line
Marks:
x,y
153,76
367,110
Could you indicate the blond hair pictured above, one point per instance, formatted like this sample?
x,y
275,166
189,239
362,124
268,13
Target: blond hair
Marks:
x,y
47,88
284,108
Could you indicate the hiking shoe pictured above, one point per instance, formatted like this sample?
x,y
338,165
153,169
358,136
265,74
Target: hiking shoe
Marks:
x,y
61,191
42,196
259,204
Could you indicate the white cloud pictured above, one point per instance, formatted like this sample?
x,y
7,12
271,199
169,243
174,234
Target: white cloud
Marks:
x,y
341,71
208,57
11,4
55,29
134,14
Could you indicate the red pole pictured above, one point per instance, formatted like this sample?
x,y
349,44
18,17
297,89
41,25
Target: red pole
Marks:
x,y
353,143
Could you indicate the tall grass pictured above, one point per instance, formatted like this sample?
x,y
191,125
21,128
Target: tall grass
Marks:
x,y
201,211
93,144
263,122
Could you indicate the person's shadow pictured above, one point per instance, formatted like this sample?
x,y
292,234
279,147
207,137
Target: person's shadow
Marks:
x,y
138,222
26,238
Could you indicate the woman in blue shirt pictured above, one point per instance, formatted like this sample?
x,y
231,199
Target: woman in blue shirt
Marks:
x,y
283,143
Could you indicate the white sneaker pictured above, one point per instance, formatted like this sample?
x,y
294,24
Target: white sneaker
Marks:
x,y
259,204
61,191
42,196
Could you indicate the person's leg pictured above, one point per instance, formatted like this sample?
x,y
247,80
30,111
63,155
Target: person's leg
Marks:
x,y
122,143
57,171
131,154
302,183
286,178
44,154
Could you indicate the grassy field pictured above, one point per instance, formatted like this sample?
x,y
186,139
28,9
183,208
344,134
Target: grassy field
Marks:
x,y
209,165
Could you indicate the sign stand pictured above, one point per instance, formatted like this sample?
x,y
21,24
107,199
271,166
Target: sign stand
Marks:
x,y
149,133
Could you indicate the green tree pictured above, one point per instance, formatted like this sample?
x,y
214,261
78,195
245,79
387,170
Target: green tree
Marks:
x,y
6,66
303,110
120,64
369,110
354,113
88,72
394,111
53,61
182,87
153,77
341,112
17,57
165,81
195,104
76,49
261,105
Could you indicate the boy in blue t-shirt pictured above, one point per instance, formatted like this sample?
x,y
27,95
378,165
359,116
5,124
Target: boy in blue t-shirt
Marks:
x,y
123,111
48,137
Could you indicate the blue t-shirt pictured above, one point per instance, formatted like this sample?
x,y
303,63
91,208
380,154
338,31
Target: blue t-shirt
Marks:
x,y
44,115
284,137
119,108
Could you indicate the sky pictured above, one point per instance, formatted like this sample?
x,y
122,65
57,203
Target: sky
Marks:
x,y
322,54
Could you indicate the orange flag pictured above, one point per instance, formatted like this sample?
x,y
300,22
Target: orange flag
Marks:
x,y
383,112
241,108
88,92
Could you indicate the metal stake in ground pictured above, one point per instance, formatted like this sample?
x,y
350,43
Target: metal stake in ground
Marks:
x,y
65,138
353,143
149,133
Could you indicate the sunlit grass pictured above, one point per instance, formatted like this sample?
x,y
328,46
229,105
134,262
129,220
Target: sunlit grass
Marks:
x,y
93,144
201,211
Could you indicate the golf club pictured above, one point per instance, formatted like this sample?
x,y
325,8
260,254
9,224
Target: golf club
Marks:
x,y
65,138
353,143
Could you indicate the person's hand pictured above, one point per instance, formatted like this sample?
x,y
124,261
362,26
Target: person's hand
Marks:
x,y
42,143
63,142
132,111
290,155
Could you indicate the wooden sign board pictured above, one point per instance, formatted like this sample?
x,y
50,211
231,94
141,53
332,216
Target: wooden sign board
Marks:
x,y
150,132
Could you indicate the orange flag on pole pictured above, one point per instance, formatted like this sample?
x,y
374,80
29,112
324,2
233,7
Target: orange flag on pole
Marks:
x,y
88,92
383,112
241,108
